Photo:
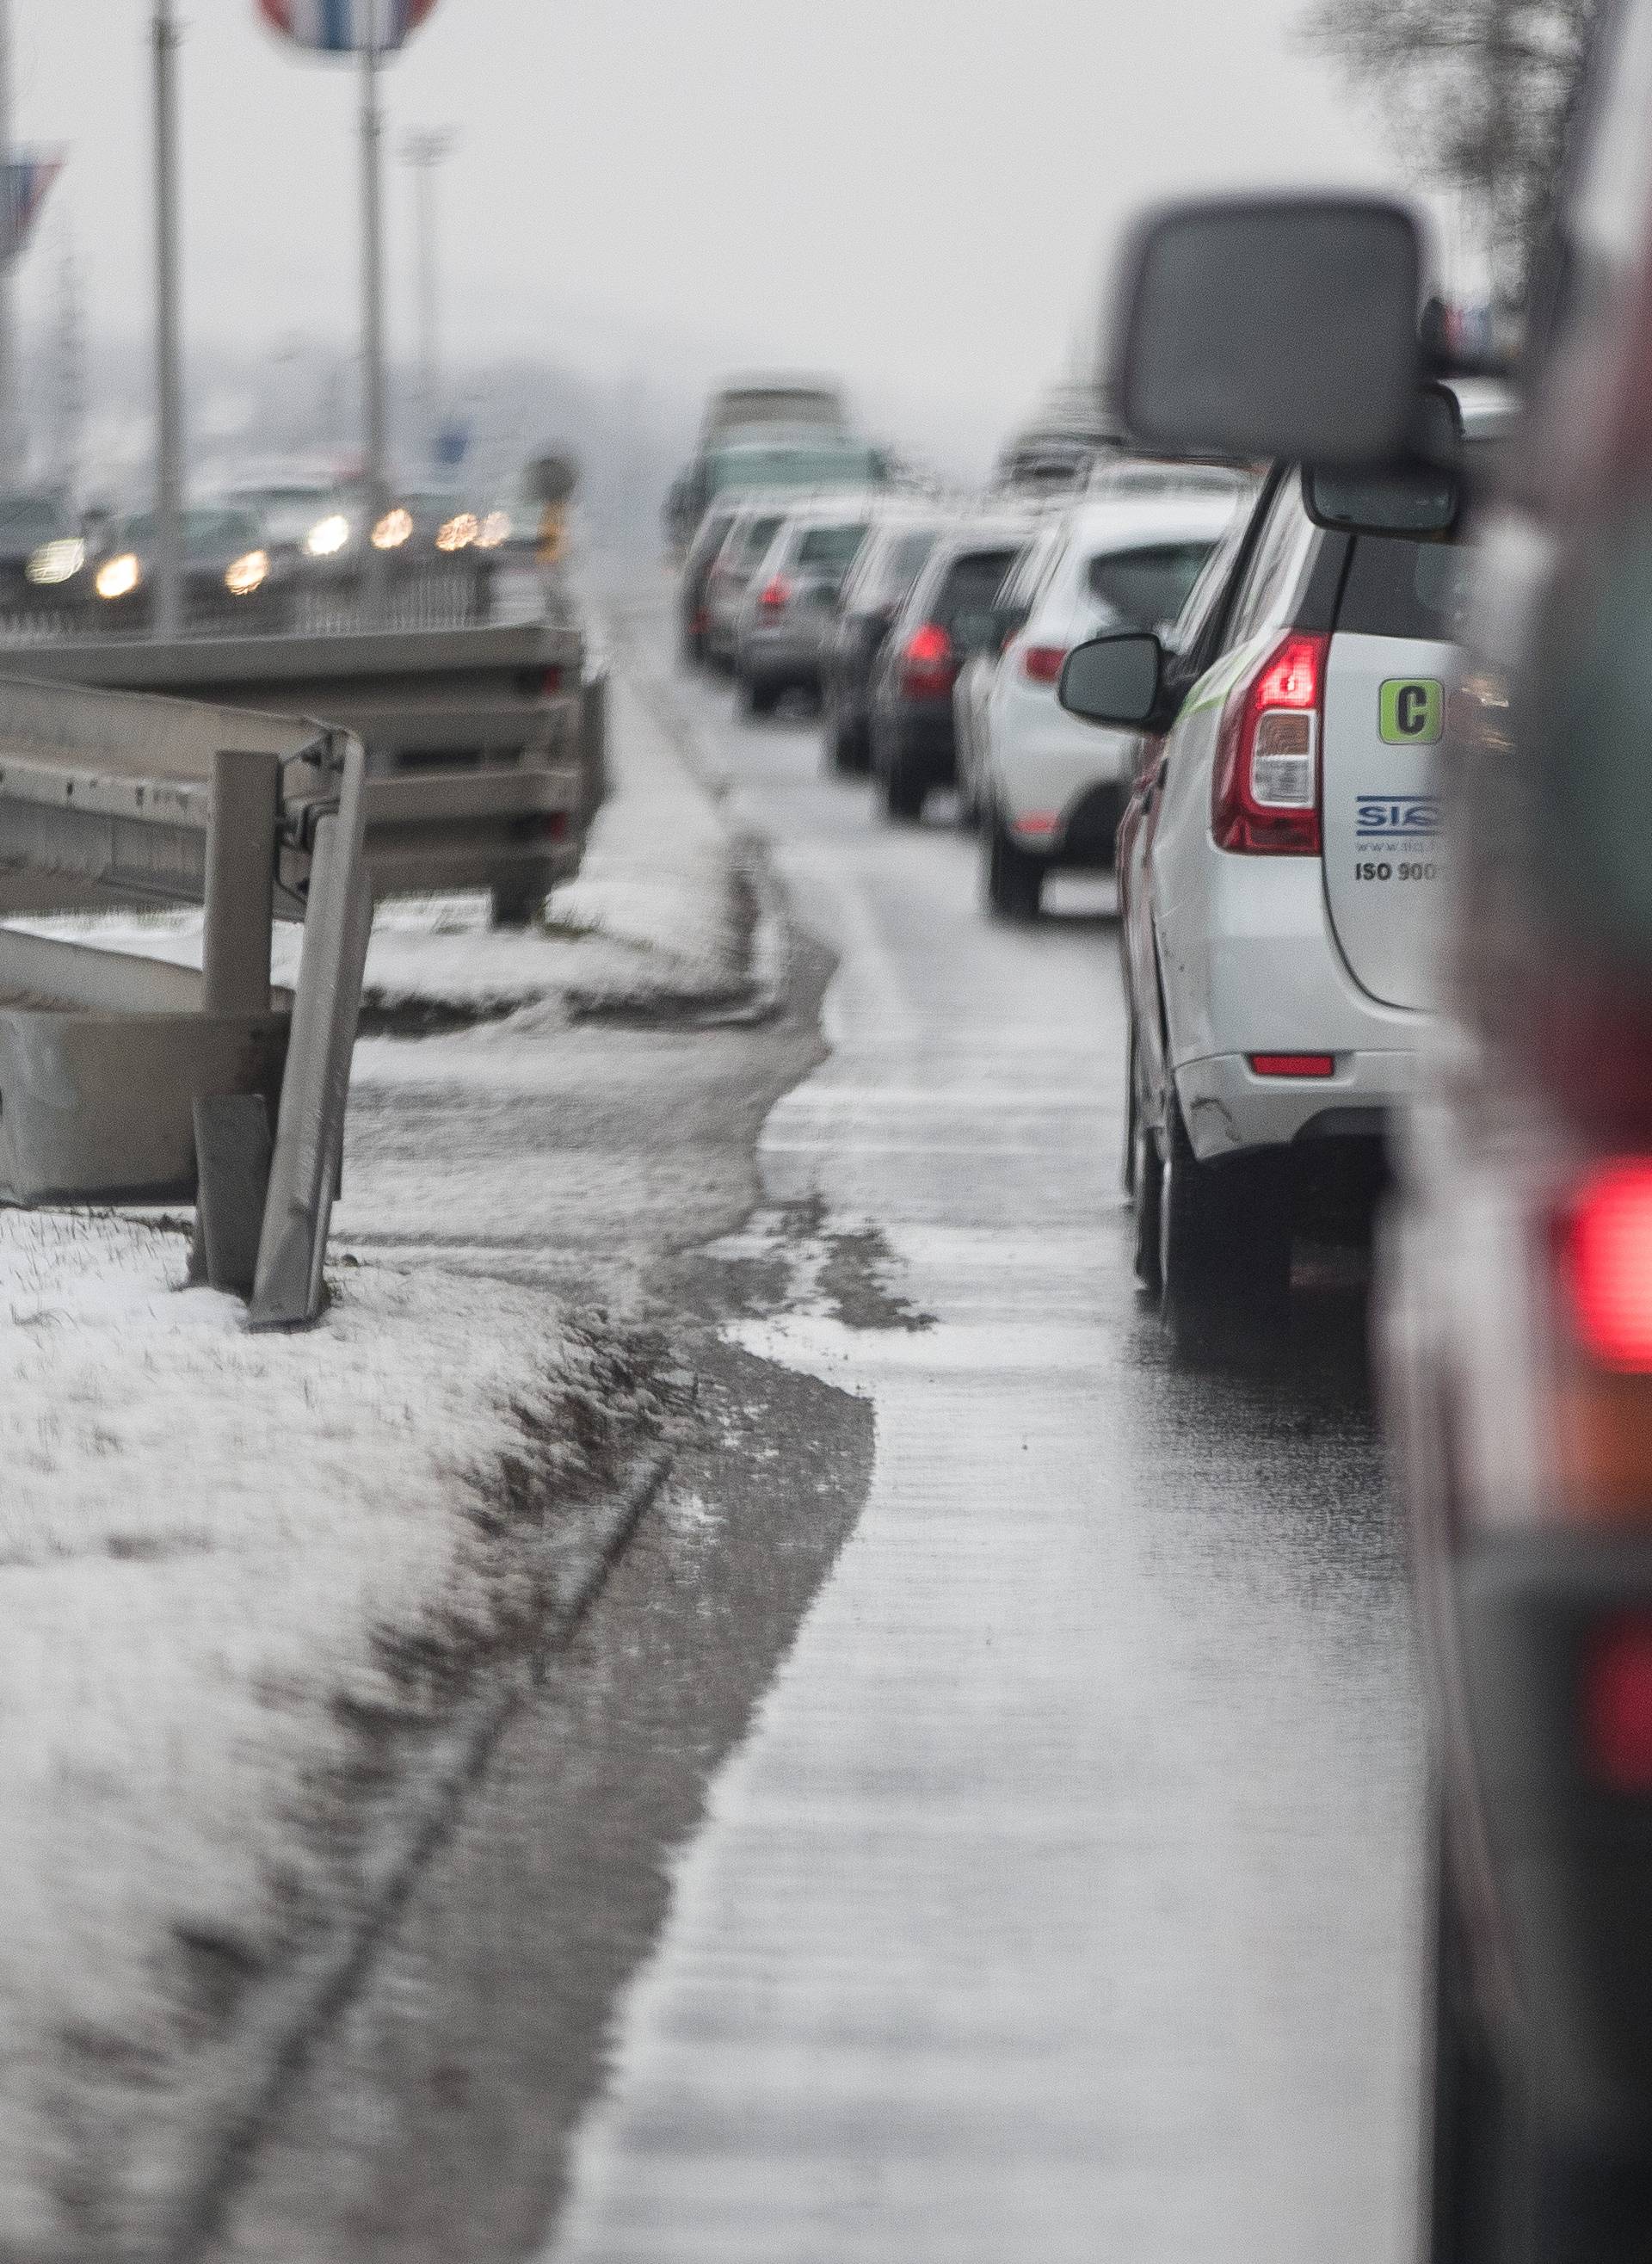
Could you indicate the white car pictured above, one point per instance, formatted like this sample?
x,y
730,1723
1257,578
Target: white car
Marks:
x,y
1277,875
1048,787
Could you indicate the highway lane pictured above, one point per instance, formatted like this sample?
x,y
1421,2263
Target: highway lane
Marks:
x,y
979,1819
1059,1905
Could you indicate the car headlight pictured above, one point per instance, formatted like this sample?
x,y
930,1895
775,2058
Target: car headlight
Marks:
x,y
459,532
495,529
246,574
56,562
329,536
119,577
393,530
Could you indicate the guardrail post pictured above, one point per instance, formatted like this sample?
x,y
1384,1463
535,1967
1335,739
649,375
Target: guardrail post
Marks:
x,y
241,883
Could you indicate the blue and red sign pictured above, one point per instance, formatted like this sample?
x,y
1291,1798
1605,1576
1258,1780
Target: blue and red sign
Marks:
x,y
345,27
28,178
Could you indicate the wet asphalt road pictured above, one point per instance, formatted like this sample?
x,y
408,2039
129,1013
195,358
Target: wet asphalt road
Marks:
x,y
1059,1905
979,1820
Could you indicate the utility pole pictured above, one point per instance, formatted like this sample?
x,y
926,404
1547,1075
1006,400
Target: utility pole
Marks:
x,y
374,416
10,420
424,152
168,384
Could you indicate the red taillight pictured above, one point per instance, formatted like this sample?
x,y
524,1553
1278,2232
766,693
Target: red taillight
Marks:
x,y
1294,1064
1606,1264
1615,1700
778,596
1041,664
1265,792
928,662
551,682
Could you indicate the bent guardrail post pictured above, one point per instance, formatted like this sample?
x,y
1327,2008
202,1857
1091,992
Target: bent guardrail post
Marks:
x,y
304,1171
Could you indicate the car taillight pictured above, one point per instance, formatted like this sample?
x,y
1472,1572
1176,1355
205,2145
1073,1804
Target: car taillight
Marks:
x,y
1615,1702
1606,1264
777,597
928,662
1265,790
1294,1064
1041,664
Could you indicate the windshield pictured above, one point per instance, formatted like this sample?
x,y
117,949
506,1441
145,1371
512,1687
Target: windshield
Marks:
x,y
28,520
208,532
781,466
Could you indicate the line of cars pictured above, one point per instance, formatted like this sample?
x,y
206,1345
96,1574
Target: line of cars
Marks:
x,y
249,555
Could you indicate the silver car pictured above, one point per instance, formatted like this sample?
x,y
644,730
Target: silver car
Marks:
x,y
752,530
790,601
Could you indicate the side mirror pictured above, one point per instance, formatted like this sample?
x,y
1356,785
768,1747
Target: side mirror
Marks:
x,y
1272,326
1113,679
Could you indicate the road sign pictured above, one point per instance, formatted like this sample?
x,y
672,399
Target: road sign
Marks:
x,y
343,28
28,177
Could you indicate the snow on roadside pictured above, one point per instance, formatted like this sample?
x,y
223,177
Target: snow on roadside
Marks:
x,y
658,914
216,1549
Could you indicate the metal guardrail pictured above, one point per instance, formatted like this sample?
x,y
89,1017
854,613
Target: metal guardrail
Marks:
x,y
484,772
123,1078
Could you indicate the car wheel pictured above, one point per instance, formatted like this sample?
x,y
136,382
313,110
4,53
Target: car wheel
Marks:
x,y
846,753
1014,877
1470,2163
758,696
1145,1173
1224,1229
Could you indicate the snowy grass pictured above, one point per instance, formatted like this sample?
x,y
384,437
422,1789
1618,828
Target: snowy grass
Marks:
x,y
223,1560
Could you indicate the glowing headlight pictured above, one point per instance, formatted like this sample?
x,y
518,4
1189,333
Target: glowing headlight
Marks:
x,y
329,536
459,532
57,561
246,574
495,529
119,577
393,529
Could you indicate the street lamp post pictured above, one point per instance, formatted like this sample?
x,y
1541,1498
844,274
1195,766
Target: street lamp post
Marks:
x,y
168,384
375,419
425,151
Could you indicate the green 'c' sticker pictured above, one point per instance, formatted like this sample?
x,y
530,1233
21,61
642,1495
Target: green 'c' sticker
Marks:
x,y
1410,712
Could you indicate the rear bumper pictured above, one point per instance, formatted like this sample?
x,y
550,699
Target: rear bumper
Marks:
x,y
1571,1859
1227,1106
779,655
920,734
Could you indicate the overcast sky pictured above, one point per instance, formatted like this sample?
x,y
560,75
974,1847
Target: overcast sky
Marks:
x,y
916,194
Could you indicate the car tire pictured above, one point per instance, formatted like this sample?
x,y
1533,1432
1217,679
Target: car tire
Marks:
x,y
1014,875
1145,1170
846,751
1469,2158
1224,1229
904,793
759,695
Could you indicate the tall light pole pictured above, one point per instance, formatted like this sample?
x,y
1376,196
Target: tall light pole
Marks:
x,y
375,419
425,151
11,423
168,382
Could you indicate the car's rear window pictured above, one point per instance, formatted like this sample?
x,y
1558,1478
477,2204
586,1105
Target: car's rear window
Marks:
x,y
904,561
757,539
1148,587
971,583
830,550
1400,587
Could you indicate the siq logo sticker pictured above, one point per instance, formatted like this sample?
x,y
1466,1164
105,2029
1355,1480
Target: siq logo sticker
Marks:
x,y
1410,712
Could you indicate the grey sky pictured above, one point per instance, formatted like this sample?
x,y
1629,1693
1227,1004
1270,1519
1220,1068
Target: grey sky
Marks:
x,y
915,193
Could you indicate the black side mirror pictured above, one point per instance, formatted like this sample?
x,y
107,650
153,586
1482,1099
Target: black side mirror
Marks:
x,y
1274,326
1113,679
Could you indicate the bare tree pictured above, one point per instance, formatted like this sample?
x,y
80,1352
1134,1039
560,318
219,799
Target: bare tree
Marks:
x,y
1480,92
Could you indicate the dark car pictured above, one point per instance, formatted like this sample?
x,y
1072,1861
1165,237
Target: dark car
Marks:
x,y
891,561
1515,1278
692,621
42,553
229,580
951,612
